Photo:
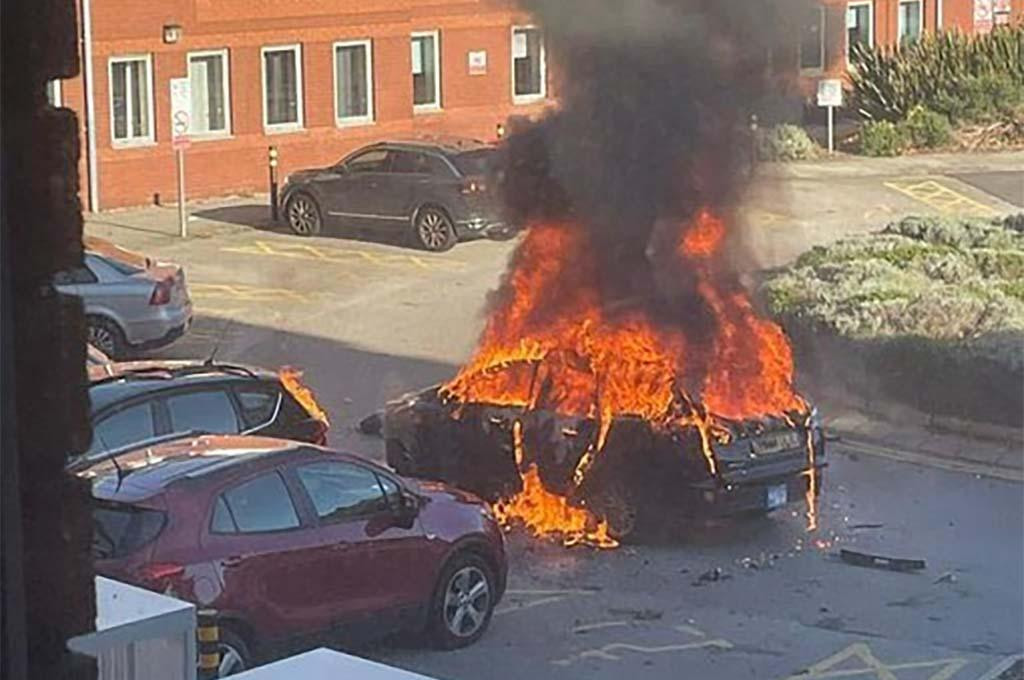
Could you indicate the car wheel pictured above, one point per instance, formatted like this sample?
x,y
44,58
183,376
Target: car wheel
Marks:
x,y
106,336
303,215
463,602
617,505
234,654
434,229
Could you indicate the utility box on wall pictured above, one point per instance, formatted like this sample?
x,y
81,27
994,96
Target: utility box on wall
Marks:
x,y
140,635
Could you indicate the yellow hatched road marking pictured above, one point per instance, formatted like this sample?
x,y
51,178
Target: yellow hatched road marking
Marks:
x,y
614,650
941,197
872,666
346,255
201,291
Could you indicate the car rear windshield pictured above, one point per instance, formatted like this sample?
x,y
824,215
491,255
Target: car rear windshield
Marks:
x,y
126,261
474,162
120,529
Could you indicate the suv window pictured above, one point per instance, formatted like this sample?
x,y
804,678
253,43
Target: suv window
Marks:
x,y
206,410
408,162
132,424
261,504
476,162
342,490
374,160
257,404
120,529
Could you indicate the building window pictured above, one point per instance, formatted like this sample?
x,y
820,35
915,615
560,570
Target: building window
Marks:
x,y
426,71
131,99
860,25
53,92
211,92
528,67
812,40
353,82
282,87
910,21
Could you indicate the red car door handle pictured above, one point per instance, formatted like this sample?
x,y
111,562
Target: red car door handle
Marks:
x,y
232,561
340,546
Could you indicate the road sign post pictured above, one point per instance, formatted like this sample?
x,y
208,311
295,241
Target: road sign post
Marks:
x,y
830,95
181,123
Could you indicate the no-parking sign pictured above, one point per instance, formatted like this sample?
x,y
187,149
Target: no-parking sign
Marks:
x,y
181,112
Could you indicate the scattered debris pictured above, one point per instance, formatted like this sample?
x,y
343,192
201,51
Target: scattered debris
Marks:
x,y
948,577
711,576
868,525
639,614
372,423
861,559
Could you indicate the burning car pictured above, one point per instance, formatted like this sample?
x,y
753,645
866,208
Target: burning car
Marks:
x,y
644,474
588,421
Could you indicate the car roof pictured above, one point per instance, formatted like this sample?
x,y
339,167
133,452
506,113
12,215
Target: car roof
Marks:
x,y
444,144
207,457
122,380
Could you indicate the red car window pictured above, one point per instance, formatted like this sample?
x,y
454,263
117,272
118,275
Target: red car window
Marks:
x,y
342,491
260,504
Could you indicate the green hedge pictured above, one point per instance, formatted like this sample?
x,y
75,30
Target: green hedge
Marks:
x,y
928,311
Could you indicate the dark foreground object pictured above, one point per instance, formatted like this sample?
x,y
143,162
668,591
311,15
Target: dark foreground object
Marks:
x,y
643,475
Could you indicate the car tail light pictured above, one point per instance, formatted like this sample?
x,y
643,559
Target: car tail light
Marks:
x,y
162,293
160,576
473,187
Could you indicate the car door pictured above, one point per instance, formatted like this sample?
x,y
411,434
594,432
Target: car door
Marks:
x,y
202,409
367,559
364,203
413,174
264,549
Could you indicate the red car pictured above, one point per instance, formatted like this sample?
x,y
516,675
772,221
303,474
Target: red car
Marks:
x,y
287,540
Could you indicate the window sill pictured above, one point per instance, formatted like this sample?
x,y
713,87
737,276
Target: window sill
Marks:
x,y
210,137
353,122
519,99
426,108
282,129
133,144
817,71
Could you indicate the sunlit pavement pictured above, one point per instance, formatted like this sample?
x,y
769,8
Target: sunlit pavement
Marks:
x,y
368,319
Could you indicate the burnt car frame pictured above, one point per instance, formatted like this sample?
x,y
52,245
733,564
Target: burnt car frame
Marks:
x,y
643,476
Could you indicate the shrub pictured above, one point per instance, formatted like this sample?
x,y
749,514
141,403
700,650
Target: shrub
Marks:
x,y
882,138
951,73
927,129
785,143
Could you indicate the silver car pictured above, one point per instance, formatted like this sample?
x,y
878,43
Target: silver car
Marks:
x,y
131,302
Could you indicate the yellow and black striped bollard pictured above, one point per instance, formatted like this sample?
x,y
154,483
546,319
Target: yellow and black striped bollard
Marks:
x,y
208,636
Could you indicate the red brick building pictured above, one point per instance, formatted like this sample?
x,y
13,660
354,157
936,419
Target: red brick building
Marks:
x,y
318,78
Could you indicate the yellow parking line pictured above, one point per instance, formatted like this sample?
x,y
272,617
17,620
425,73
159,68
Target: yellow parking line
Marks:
x,y
937,195
613,651
872,666
345,255
203,291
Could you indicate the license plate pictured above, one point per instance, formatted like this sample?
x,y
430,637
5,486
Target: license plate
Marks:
x,y
776,496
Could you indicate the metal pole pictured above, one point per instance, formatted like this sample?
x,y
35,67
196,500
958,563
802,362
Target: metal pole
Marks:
x,y
831,130
182,217
272,163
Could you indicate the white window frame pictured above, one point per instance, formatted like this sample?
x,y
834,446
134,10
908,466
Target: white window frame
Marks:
x,y
58,93
150,137
899,18
226,86
436,104
870,4
346,121
814,70
296,49
528,98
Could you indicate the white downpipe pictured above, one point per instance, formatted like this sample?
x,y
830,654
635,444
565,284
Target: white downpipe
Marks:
x,y
90,108
938,15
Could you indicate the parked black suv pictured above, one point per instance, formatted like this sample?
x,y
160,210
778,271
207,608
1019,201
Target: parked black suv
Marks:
x,y
148,401
437,192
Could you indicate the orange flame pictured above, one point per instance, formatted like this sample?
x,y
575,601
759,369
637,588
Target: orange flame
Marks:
x,y
291,378
545,513
551,344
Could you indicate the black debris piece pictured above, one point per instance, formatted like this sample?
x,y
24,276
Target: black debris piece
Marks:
x,y
862,559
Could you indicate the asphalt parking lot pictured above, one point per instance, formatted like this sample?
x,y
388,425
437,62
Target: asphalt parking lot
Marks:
x,y
368,318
